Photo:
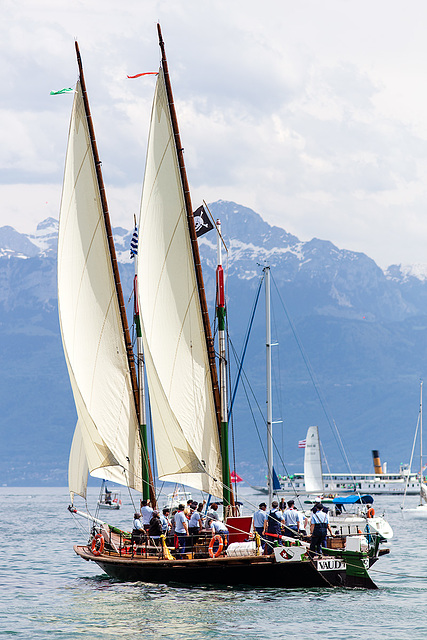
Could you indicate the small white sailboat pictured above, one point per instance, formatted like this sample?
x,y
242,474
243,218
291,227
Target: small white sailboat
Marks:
x,y
420,511
349,515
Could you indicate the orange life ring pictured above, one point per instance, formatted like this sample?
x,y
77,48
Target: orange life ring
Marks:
x,y
97,550
370,513
218,552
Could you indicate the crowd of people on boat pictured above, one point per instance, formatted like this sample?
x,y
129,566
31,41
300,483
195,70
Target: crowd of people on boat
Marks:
x,y
284,519
181,526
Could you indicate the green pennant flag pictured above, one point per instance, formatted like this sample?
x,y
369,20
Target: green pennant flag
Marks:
x,y
56,93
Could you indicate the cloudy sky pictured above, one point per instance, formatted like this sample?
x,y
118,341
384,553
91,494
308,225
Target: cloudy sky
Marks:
x,y
311,113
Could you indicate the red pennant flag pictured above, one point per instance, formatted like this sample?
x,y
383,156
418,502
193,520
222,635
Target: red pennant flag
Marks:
x,y
235,478
148,73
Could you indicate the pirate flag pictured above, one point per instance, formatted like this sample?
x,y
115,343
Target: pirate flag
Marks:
x,y
201,221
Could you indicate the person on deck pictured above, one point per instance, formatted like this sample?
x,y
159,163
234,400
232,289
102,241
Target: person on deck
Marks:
x,y
195,523
155,528
292,520
138,533
187,509
181,528
164,519
273,526
146,514
213,512
319,526
219,528
303,523
258,522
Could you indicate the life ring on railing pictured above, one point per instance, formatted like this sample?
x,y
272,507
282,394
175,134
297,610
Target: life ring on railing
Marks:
x,y
370,512
212,553
97,546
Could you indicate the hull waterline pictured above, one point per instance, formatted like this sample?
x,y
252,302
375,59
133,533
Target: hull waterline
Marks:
x,y
251,571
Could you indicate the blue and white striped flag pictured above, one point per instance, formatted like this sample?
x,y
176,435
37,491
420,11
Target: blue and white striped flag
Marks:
x,y
134,243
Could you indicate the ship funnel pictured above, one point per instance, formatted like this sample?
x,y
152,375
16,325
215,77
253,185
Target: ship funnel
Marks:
x,y
377,462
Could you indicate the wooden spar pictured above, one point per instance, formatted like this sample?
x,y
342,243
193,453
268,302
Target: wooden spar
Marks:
x,y
113,257
193,238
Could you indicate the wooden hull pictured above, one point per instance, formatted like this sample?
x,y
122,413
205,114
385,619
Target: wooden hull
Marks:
x,y
250,571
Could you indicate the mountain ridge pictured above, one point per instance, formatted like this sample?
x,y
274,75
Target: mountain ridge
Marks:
x,y
362,330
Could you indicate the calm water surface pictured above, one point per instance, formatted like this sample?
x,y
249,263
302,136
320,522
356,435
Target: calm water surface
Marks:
x,y
46,591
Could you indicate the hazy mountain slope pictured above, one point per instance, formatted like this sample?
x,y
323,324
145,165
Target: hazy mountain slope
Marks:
x,y
363,333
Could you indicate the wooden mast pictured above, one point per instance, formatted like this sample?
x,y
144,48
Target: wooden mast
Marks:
x,y
113,257
193,238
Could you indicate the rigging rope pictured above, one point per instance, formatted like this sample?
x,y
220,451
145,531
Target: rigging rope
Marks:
x,y
323,402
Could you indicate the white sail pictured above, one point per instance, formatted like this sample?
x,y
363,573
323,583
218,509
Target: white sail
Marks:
x,y
313,478
77,466
91,327
175,351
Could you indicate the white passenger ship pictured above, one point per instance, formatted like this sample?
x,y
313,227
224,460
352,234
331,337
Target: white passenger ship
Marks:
x,y
358,482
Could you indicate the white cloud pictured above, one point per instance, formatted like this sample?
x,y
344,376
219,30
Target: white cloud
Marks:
x,y
311,113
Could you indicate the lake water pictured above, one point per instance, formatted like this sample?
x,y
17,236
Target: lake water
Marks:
x,y
47,592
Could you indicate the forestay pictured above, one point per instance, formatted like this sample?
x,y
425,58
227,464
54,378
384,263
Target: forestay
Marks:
x,y
175,351
91,328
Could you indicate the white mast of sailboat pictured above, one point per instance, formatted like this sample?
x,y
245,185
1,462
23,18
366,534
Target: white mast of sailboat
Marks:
x,y
421,442
269,393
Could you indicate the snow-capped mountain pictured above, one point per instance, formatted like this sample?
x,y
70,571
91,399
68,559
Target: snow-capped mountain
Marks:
x,y
357,331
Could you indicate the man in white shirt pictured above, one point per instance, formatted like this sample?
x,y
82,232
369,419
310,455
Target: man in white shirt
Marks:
x,y
218,528
258,521
291,520
138,530
181,528
146,514
319,527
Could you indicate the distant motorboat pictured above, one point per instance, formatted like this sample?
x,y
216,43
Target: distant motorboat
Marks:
x,y
109,499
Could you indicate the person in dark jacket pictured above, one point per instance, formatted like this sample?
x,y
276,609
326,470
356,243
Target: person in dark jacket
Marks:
x,y
273,527
155,529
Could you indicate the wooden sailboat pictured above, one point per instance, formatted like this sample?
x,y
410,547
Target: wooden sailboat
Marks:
x,y
188,403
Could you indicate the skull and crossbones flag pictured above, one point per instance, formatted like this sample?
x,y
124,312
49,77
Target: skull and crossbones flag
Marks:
x,y
202,221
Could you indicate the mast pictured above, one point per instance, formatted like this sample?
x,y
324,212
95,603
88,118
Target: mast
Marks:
x,y
193,237
269,393
421,441
221,313
145,469
112,251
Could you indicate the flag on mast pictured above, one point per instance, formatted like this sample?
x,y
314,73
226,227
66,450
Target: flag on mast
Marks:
x,y
134,243
301,444
202,221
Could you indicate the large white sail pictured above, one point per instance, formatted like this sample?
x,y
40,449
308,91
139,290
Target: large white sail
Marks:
x,y
77,466
313,475
179,380
91,327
